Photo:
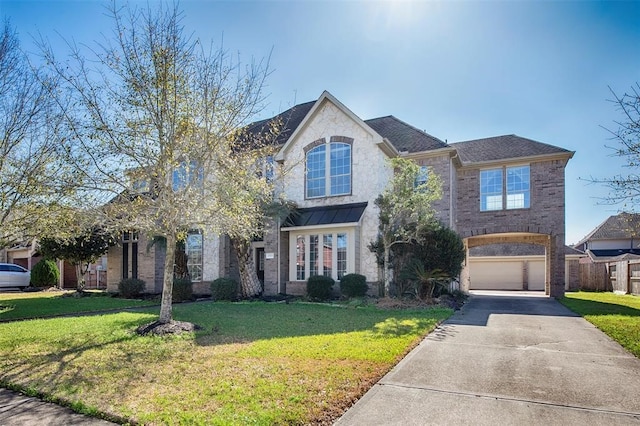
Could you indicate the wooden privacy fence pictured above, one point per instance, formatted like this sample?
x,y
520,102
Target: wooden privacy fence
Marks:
x,y
595,277
625,276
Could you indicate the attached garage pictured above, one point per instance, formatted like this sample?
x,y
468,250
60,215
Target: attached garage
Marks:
x,y
507,267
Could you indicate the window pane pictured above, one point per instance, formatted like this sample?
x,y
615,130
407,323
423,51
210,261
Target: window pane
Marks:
x,y
194,255
340,168
300,275
518,188
491,189
423,175
327,255
342,255
314,254
316,161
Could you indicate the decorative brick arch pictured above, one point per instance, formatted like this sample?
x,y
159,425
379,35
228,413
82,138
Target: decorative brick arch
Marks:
x,y
554,256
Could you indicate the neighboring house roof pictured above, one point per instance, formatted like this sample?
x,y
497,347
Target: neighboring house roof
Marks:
x,y
403,136
619,227
613,255
505,147
313,216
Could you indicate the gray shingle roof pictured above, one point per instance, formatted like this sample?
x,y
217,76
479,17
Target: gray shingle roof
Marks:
x,y
503,148
288,120
403,136
620,226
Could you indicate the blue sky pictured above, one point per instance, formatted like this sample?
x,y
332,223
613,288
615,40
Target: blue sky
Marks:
x,y
459,70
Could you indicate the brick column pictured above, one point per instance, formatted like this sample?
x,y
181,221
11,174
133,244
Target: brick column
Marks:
x,y
465,273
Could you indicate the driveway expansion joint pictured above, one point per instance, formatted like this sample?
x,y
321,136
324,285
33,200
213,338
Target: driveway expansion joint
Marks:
x,y
510,399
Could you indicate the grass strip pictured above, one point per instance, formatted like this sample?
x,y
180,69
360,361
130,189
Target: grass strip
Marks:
x,y
618,316
17,306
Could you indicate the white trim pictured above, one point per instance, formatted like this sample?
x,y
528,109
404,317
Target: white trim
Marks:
x,y
351,251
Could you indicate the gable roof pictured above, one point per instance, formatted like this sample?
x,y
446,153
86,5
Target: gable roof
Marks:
x,y
506,147
620,226
403,136
288,121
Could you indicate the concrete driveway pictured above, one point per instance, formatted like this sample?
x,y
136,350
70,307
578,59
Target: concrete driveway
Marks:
x,y
508,359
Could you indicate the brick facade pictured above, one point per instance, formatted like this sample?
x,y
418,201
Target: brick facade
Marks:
x,y
542,223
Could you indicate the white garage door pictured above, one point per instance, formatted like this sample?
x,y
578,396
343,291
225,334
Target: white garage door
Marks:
x,y
488,275
536,275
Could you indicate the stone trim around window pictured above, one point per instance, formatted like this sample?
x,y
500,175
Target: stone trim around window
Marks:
x,y
333,139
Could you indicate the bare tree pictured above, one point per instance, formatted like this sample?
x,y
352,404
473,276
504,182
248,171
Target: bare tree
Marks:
x,y
31,178
625,187
152,126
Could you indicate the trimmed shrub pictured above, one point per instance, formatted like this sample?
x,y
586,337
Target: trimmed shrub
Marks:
x,y
319,287
354,285
224,289
45,274
182,290
130,288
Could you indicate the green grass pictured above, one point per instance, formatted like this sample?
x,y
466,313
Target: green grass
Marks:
x,y
616,315
46,304
253,363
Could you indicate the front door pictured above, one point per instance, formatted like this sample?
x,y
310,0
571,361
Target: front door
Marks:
x,y
260,264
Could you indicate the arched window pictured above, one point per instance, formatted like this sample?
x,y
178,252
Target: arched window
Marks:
x,y
322,181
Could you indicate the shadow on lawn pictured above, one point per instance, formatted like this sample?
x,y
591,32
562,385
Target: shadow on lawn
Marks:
x,y
225,323
591,307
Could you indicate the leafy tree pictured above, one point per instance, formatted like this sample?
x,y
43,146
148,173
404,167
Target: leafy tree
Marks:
x,y
80,251
32,180
406,211
625,187
153,119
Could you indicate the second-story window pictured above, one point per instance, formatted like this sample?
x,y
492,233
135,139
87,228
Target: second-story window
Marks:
x,y
422,177
505,188
323,181
187,174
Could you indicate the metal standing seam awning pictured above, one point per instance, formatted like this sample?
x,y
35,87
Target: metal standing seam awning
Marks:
x,y
325,215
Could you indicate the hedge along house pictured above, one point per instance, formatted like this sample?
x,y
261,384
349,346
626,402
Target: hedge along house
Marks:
x,y
504,189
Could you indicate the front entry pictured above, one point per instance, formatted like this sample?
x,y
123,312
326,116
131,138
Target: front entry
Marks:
x,y
260,264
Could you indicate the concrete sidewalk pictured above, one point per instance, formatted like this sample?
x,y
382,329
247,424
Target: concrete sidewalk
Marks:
x,y
20,410
508,360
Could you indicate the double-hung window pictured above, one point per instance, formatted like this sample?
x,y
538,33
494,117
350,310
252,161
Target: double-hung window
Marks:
x,y
328,169
505,188
422,177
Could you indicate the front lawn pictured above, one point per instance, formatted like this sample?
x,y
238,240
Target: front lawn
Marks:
x,y
616,315
253,363
44,304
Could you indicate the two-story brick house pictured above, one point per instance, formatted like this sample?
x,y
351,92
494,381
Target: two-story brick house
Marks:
x,y
504,189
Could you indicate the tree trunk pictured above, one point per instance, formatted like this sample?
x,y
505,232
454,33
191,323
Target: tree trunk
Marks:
x,y
80,277
250,285
167,287
388,272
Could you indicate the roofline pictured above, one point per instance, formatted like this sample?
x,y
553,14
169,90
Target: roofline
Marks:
x,y
429,153
325,96
387,147
504,161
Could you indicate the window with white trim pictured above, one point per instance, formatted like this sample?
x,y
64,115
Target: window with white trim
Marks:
x,y
422,177
505,188
193,248
323,181
323,252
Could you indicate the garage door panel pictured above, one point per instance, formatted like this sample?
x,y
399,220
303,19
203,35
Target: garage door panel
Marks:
x,y
536,275
495,275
